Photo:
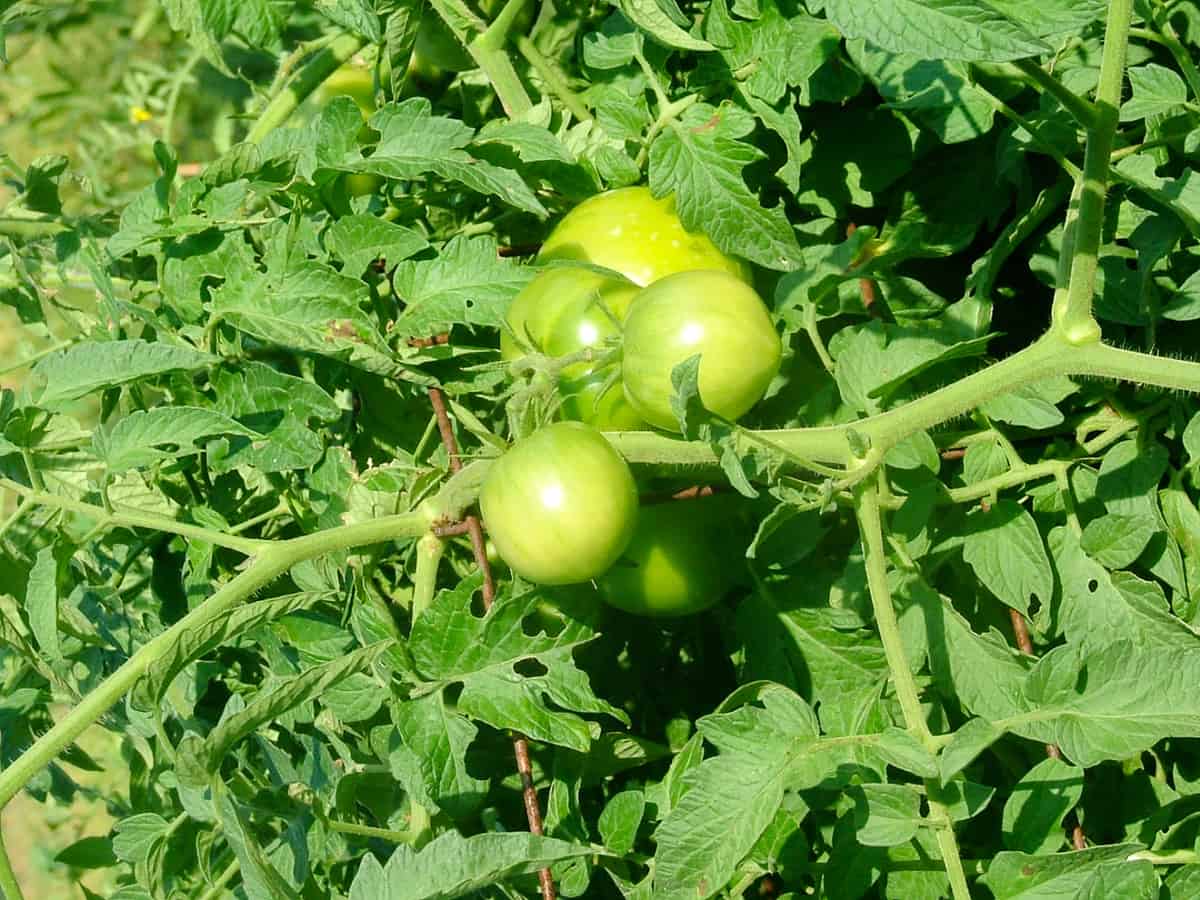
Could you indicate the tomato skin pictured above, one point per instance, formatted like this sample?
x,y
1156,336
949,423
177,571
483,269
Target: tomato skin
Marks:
x,y
561,505
562,311
631,232
710,313
680,560
354,82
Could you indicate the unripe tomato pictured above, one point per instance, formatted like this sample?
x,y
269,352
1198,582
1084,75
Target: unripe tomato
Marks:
x,y
681,559
560,505
355,82
437,48
710,313
565,310
629,231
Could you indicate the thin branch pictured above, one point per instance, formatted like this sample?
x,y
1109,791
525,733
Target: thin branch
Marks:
x,y
870,526
1084,111
126,517
299,86
533,811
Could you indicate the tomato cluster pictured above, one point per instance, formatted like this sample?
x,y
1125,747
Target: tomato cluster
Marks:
x,y
644,294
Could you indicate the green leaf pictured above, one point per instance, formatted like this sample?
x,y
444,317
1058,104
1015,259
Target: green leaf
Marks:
x,y
1116,540
284,409
620,819
1052,18
846,669
88,853
1038,803
982,672
734,796
781,51
41,603
1157,91
283,696
451,644
649,15
685,396
429,755
453,865
886,814
1004,548
1180,195
1019,876
361,239
414,142
1097,604
260,879
968,30
147,436
1112,703
134,836
965,746
466,283
700,159
899,748
89,367
936,93
1031,405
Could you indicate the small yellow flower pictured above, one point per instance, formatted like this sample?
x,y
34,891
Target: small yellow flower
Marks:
x,y
139,114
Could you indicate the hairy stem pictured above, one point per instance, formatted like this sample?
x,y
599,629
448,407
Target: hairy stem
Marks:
x,y
132,518
1072,312
1084,111
299,86
875,557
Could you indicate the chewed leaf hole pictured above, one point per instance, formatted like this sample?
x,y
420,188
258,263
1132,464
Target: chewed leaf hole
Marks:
x,y
530,668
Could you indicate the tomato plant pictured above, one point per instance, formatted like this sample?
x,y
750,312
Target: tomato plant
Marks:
x,y
709,313
631,232
684,556
248,612
560,505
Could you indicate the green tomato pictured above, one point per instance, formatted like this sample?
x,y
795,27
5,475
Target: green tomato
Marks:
x,y
587,400
354,82
710,313
631,232
681,559
563,311
438,50
560,505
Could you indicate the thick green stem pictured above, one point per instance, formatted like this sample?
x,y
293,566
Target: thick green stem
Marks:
x,y
131,518
875,558
1049,356
303,83
1072,313
267,566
